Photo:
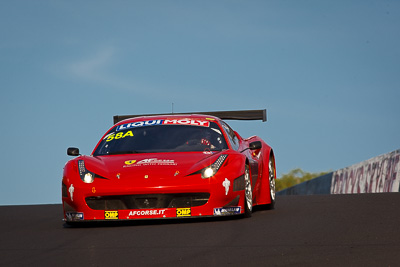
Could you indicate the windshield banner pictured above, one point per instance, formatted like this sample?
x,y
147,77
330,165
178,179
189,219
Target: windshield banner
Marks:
x,y
164,122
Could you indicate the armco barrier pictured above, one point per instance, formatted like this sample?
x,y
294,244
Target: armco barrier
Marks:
x,y
379,174
317,186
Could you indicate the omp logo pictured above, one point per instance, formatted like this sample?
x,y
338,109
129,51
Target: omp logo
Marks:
x,y
129,162
111,214
184,212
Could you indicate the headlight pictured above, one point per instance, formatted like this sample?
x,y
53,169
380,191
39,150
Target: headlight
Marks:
x,y
208,172
86,176
211,170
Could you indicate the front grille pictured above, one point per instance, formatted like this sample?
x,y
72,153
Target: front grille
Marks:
x,y
153,201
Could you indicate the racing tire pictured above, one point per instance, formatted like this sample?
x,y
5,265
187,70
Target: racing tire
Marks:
x,y
271,181
248,194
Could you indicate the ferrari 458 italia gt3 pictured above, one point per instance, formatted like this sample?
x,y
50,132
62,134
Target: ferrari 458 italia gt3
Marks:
x,y
170,166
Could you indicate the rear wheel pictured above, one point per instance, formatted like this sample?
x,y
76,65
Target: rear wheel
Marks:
x,y
248,200
271,179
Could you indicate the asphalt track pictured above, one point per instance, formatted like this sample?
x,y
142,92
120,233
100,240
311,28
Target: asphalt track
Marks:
x,y
319,230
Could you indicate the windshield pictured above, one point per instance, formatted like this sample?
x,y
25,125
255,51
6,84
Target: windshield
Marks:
x,y
126,139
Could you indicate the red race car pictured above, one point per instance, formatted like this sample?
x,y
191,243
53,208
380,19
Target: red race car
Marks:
x,y
170,166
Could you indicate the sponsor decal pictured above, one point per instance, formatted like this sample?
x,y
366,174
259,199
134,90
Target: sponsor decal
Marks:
x,y
93,189
226,211
71,191
188,122
204,123
183,212
176,173
116,136
150,162
146,212
138,124
376,175
74,216
226,183
111,215
155,161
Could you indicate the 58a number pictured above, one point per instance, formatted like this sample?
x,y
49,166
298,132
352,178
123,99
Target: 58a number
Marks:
x,y
119,136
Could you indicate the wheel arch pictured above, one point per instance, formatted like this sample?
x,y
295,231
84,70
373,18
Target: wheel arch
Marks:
x,y
264,196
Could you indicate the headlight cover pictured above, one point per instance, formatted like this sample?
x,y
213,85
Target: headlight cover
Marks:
x,y
86,176
211,170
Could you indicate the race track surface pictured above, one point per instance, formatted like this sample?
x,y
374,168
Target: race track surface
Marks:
x,y
320,230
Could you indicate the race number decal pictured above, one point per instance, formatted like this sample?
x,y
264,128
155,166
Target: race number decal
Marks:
x,y
119,135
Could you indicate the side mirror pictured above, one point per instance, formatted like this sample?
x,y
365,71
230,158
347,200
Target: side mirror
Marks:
x,y
255,145
73,151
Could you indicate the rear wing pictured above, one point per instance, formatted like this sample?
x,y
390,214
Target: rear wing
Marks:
x,y
260,114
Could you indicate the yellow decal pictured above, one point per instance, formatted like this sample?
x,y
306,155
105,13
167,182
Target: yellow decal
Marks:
x,y
129,162
119,136
184,212
111,214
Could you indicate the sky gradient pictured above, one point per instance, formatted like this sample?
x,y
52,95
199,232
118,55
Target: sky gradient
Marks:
x,y
328,73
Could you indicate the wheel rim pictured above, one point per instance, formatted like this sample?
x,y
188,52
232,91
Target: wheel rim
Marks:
x,y
272,179
248,192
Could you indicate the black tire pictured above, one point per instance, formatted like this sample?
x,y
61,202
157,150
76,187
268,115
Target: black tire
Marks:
x,y
271,180
248,194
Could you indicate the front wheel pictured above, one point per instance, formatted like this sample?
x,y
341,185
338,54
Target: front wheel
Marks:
x,y
248,200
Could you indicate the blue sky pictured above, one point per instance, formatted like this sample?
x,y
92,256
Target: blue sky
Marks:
x,y
328,72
